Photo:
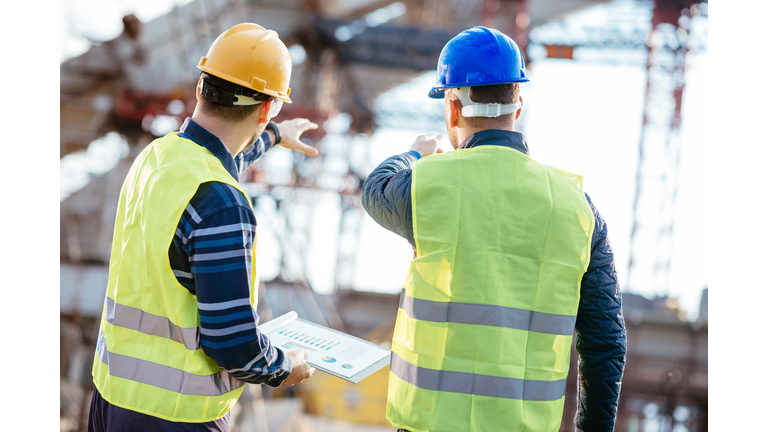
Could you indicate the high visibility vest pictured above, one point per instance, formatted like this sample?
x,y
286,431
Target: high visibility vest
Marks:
x,y
483,334
148,355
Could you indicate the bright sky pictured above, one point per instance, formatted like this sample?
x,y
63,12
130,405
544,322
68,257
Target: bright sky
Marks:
x,y
579,116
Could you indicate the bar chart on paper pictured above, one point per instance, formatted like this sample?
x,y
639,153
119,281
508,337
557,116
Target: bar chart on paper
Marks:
x,y
306,342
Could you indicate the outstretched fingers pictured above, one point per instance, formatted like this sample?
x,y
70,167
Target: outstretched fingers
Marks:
x,y
291,131
307,125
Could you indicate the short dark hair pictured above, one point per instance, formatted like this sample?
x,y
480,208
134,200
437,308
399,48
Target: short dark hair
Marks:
x,y
498,93
229,114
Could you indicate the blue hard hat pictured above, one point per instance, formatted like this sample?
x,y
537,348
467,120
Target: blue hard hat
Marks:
x,y
477,57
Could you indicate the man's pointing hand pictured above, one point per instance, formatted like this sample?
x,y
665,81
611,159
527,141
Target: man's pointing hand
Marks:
x,y
290,132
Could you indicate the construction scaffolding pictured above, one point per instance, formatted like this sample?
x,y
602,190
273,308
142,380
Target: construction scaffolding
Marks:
x,y
140,85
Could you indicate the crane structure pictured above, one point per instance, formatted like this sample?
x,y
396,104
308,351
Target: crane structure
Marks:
x,y
665,41
346,53
659,150
351,55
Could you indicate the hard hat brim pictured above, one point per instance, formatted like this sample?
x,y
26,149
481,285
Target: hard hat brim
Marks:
x,y
438,91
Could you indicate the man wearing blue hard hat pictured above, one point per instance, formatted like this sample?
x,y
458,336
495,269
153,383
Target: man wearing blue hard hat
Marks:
x,y
511,258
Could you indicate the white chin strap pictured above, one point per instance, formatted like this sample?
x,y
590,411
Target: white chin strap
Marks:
x,y
472,109
246,100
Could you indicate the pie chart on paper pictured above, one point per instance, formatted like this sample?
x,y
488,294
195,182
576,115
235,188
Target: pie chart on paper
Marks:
x,y
328,359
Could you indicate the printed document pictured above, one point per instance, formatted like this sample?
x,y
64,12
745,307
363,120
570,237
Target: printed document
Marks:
x,y
329,350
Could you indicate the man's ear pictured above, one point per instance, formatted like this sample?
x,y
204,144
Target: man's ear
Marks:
x,y
265,110
517,113
199,89
453,113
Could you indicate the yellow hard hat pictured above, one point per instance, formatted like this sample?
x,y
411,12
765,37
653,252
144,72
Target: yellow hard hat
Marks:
x,y
251,56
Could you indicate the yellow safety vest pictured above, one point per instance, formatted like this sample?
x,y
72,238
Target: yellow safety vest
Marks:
x,y
483,334
148,356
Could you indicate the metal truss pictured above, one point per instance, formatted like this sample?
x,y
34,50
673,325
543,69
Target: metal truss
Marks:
x,y
658,163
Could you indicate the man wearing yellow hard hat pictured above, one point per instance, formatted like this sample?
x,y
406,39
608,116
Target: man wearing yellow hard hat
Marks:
x,y
178,336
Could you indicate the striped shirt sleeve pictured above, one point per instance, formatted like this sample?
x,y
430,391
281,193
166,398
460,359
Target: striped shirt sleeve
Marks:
x,y
211,256
250,155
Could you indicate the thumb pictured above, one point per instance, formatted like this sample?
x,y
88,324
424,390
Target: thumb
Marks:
x,y
308,149
305,354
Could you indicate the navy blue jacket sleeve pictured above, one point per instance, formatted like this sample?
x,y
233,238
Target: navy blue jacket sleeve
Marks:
x,y
601,338
386,195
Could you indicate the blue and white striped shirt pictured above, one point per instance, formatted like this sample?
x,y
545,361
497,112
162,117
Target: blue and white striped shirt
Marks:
x,y
211,256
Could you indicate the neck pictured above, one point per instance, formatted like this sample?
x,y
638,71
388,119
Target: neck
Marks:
x,y
235,136
462,133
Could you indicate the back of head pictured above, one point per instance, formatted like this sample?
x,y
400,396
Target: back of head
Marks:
x,y
216,95
492,95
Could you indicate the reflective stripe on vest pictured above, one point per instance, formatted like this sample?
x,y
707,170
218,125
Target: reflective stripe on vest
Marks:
x,y
136,319
165,377
149,357
490,315
476,384
484,330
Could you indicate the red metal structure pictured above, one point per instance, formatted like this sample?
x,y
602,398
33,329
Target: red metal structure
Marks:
x,y
121,85
659,150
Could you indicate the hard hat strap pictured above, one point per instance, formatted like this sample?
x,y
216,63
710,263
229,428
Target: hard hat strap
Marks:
x,y
245,100
472,109
222,92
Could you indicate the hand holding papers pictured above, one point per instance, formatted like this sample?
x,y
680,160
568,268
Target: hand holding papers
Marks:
x,y
300,369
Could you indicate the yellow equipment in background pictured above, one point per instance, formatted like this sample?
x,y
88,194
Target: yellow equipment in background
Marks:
x,y
365,402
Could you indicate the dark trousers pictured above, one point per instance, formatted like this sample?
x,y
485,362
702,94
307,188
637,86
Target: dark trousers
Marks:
x,y
105,417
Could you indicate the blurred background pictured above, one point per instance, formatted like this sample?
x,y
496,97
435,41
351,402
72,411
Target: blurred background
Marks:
x,y
617,94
